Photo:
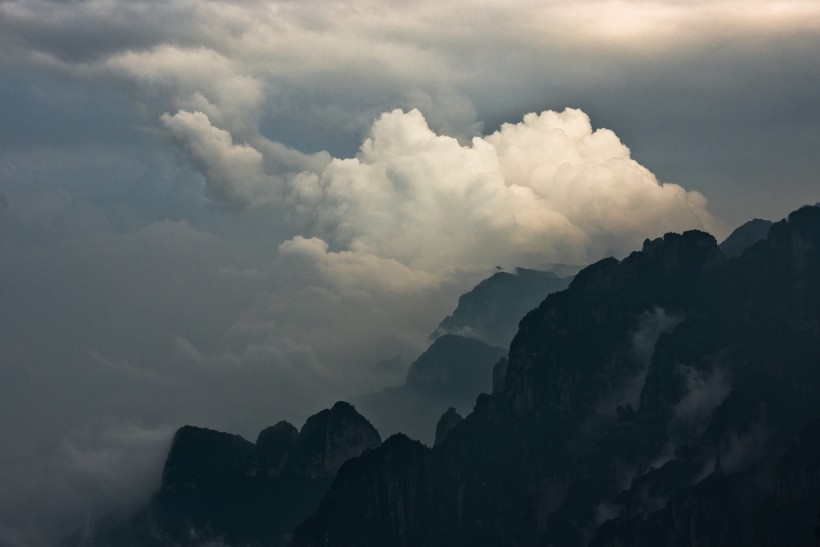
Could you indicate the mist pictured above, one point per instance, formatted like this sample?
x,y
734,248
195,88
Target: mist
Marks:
x,y
232,214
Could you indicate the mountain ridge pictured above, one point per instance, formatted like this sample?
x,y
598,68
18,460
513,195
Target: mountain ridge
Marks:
x,y
551,458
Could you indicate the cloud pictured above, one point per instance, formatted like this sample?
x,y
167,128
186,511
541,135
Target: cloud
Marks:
x,y
549,188
650,327
98,463
127,297
112,467
343,312
705,391
315,79
233,173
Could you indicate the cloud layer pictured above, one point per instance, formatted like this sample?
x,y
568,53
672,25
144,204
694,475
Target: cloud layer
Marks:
x,y
230,213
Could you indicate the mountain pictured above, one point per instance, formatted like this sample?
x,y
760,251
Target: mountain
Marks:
x,y
219,488
451,372
745,236
490,312
457,366
668,399
448,421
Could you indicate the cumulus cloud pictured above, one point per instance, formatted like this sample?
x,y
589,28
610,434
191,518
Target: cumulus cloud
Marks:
x,y
549,188
233,173
341,259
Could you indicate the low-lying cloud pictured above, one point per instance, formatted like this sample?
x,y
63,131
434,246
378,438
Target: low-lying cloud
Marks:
x,y
107,469
365,257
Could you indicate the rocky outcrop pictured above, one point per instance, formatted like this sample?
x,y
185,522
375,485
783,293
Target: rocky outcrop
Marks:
x,y
451,372
401,506
745,236
448,421
455,368
618,397
490,312
274,446
330,438
218,487
787,517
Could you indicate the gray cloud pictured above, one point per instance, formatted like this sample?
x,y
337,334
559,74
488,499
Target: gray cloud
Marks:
x,y
705,391
128,298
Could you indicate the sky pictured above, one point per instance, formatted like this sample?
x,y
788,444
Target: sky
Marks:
x,y
231,213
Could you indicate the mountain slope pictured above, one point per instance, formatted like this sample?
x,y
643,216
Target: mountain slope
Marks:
x,y
451,372
651,403
219,489
490,312
745,236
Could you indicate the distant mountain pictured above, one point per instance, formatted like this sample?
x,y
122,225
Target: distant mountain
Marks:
x,y
219,489
448,421
745,236
561,270
490,312
669,399
452,372
457,366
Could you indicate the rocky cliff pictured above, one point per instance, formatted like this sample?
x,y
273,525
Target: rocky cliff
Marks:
x,y
744,236
659,400
490,312
451,372
219,489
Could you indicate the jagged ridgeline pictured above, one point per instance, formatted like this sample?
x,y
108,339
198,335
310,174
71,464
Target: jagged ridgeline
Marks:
x,y
490,312
669,399
219,489
466,345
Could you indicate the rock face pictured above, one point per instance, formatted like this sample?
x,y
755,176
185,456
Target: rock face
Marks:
x,y
744,237
399,507
219,488
466,344
491,311
448,421
452,372
274,447
663,400
330,438
787,518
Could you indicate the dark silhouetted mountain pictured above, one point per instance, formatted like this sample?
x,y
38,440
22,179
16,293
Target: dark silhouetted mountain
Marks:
x,y
668,399
219,488
560,269
454,369
788,516
490,312
448,421
745,236
452,372
399,512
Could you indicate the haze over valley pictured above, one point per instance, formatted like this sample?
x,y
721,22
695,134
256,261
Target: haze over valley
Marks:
x,y
231,214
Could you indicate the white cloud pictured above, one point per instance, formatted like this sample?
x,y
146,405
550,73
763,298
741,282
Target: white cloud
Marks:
x,y
359,257
549,188
234,173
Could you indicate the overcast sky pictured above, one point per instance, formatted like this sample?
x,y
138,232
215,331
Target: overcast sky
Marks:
x,y
230,213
